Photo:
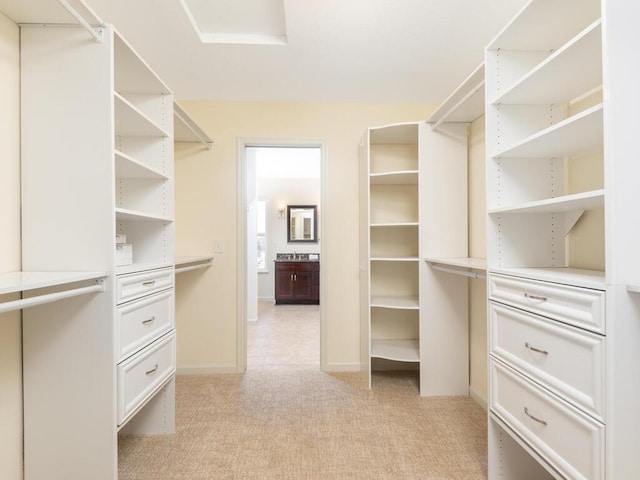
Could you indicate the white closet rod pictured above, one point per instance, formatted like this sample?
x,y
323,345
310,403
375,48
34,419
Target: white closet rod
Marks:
x,y
473,91
196,131
81,20
194,267
457,271
49,297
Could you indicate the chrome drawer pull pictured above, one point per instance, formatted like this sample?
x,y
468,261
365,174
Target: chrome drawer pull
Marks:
x,y
150,283
152,370
534,349
526,411
148,320
535,297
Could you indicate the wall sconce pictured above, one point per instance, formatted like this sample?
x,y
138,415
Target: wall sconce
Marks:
x,y
281,210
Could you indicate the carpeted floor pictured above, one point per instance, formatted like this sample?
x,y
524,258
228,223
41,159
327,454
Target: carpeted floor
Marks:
x,y
305,424
286,420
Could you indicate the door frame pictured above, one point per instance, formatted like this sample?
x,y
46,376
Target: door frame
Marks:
x,y
241,233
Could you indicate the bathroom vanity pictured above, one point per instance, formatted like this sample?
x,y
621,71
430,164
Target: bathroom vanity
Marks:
x,y
297,278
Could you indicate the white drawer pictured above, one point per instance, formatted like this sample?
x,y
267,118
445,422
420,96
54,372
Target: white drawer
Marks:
x,y
141,375
142,321
566,360
136,285
577,306
570,441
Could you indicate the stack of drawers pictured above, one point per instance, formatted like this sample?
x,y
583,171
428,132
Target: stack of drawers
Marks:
x,y
145,337
547,370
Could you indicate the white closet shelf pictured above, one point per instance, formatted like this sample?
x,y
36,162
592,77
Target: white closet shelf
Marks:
x,y
18,282
577,134
594,279
405,177
131,122
394,259
131,73
141,267
568,203
186,264
185,129
465,104
402,303
393,224
462,262
566,74
123,214
545,26
129,167
398,350
633,288
400,133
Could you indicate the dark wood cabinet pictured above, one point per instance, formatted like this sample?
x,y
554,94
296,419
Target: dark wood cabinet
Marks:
x,y
297,282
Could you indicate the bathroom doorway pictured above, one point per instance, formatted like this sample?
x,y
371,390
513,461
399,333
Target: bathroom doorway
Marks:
x,y
276,329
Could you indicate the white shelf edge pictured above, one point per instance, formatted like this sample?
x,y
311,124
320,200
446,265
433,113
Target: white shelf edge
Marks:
x,y
124,214
141,267
398,172
633,288
460,266
594,279
547,132
194,134
138,164
142,117
397,350
399,224
15,282
540,68
471,86
567,203
400,303
394,259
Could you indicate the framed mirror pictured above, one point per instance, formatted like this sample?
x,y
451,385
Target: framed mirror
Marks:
x,y
302,224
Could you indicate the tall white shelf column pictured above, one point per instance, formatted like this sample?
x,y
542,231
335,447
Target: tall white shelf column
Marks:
x,y
561,103
97,160
404,182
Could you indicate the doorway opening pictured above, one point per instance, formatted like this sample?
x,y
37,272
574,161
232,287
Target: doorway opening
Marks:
x,y
280,280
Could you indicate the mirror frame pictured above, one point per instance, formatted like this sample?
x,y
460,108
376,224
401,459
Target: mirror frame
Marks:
x,y
314,238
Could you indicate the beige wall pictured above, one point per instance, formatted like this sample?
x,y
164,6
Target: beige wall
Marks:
x,y
10,325
206,211
477,249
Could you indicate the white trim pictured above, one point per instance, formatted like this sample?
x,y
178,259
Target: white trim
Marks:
x,y
205,369
252,320
241,231
342,367
479,399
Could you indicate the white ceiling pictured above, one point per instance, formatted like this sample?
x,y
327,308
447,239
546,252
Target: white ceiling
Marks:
x,y
373,51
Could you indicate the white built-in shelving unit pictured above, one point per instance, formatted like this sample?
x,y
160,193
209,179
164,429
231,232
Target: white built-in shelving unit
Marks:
x,y
402,184
561,90
97,160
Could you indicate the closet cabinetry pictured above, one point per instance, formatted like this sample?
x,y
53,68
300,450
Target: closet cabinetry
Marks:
x,y
97,161
563,329
401,190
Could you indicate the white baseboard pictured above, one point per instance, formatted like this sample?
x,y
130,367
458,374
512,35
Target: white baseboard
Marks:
x,y
476,397
205,369
341,367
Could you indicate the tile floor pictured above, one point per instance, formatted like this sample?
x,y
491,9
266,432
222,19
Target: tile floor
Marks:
x,y
285,336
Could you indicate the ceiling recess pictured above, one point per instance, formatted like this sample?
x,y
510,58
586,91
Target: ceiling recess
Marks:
x,y
250,22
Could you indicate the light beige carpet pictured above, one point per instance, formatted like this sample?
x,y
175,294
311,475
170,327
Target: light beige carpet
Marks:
x,y
304,424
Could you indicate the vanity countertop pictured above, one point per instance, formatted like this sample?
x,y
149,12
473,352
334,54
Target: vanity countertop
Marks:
x,y
297,257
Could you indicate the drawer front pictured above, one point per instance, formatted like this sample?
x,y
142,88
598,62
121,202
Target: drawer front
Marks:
x,y
142,321
570,441
577,306
140,376
566,360
136,285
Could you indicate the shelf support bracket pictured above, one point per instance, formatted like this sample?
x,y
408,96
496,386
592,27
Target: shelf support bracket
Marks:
x,y
96,33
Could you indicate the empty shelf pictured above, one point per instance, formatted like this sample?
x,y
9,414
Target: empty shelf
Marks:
x,y
398,350
406,177
465,104
186,129
185,264
123,214
131,122
579,201
129,167
410,303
